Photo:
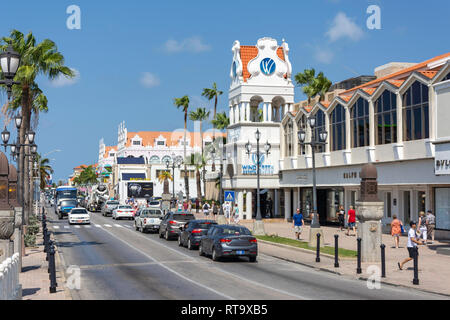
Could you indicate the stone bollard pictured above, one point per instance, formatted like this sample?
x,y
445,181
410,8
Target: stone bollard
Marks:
x,y
359,269
52,265
336,251
416,266
383,261
318,248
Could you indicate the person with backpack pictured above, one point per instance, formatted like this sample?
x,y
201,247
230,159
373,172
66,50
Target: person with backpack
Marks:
x,y
206,208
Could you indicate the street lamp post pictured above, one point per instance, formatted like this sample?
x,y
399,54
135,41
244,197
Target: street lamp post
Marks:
x,y
173,165
258,228
9,61
315,141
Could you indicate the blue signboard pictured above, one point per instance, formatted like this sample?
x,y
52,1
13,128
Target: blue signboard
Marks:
x,y
230,196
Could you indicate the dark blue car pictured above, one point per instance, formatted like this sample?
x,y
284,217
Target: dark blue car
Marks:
x,y
65,206
193,231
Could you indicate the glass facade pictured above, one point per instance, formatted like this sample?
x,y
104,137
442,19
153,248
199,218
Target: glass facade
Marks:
x,y
301,124
386,118
416,112
360,123
442,205
337,129
289,139
320,126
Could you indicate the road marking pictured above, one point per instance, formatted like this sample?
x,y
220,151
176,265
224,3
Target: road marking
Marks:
x,y
87,227
127,226
77,227
108,225
98,226
118,226
55,227
66,227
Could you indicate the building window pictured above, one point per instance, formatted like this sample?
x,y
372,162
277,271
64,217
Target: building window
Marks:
x,y
360,123
415,112
442,208
161,143
301,124
320,126
112,154
165,159
337,129
386,118
136,143
447,77
155,160
288,138
191,174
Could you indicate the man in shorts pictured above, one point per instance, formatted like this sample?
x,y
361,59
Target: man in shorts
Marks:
x,y
298,224
412,244
351,222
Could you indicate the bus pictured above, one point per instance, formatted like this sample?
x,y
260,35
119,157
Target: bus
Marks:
x,y
66,193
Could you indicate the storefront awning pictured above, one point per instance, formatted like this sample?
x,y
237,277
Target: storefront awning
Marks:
x,y
133,176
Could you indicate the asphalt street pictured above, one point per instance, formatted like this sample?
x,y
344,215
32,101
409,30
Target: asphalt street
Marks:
x,y
119,263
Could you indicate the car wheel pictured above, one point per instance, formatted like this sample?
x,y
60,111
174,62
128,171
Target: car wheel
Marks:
x,y
200,250
180,243
136,227
189,245
252,259
215,257
160,235
141,229
166,235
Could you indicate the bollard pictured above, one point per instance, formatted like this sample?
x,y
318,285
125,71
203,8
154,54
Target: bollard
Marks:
x,y
336,251
49,244
52,268
318,248
383,261
416,266
46,238
358,269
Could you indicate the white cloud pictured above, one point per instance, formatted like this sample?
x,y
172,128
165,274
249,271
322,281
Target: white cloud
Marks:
x,y
343,27
62,81
193,44
149,80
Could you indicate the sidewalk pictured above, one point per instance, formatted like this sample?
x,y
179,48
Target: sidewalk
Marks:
x,y
434,269
34,277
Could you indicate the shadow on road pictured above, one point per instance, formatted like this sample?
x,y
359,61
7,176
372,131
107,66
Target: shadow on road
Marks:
x,y
70,244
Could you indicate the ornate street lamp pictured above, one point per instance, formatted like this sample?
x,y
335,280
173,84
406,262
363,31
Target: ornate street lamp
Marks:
x,y
9,62
175,164
258,228
315,141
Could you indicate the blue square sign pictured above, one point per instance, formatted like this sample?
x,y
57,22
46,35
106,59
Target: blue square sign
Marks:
x,y
229,196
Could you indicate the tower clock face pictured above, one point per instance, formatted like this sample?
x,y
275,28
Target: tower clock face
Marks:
x,y
268,66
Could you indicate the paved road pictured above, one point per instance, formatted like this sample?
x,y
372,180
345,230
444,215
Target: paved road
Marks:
x,y
118,262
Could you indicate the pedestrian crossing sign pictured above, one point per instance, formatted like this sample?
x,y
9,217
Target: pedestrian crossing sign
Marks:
x,y
229,196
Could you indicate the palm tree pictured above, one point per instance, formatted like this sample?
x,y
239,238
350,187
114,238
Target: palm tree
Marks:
x,y
199,115
88,176
221,121
183,103
198,161
164,177
212,93
312,85
44,170
36,59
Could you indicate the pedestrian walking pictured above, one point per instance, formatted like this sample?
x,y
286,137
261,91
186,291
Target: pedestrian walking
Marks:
x,y
422,226
341,217
214,209
351,223
185,206
206,208
412,244
269,208
236,214
431,224
190,206
227,211
396,230
298,224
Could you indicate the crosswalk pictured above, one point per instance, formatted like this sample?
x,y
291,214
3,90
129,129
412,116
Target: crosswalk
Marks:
x,y
93,226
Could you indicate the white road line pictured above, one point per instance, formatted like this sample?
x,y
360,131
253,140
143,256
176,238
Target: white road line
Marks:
x,y
118,226
127,226
66,227
171,270
55,227
77,227
98,226
87,227
108,225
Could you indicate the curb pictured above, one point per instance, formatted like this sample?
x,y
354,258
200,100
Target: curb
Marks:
x,y
338,273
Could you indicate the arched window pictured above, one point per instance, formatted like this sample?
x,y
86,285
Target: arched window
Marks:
x,y
386,118
301,124
320,126
359,116
289,139
155,160
165,159
337,129
415,112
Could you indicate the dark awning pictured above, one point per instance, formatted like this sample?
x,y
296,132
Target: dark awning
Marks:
x,y
133,176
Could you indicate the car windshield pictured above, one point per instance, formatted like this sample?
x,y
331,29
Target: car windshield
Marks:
x,y
79,211
125,207
113,202
235,231
151,214
69,203
183,217
204,225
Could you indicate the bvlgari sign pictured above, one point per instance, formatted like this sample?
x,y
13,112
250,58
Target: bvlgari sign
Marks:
x,y
442,162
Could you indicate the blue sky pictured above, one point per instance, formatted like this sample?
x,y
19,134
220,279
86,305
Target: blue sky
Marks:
x,y
133,57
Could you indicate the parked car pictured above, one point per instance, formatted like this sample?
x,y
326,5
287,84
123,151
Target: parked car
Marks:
x,y
147,219
193,231
171,223
64,207
123,211
229,241
79,216
109,207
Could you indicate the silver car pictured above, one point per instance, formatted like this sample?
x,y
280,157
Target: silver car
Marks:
x,y
109,207
229,241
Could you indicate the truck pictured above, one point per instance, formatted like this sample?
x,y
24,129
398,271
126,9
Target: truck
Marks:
x,y
97,197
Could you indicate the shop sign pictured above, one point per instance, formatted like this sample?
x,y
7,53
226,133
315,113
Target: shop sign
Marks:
x,y
442,162
264,169
351,175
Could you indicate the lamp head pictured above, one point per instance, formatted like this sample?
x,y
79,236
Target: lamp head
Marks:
x,y
302,136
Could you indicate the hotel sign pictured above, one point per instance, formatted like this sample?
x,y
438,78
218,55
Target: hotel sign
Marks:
x,y
264,169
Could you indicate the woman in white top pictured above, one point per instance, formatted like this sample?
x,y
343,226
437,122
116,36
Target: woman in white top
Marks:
x,y
422,226
236,214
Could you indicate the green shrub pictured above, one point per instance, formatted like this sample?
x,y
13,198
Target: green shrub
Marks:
x,y
33,229
30,240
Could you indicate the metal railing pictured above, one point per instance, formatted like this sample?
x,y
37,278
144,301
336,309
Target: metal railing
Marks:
x,y
10,288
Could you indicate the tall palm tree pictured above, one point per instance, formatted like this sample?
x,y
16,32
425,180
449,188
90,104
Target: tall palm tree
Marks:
x,y
183,103
44,169
199,115
221,121
313,85
213,93
36,59
198,161
164,177
88,176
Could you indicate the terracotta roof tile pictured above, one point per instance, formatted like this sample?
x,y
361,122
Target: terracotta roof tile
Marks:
x,y
172,138
325,104
369,91
346,98
429,74
307,108
396,83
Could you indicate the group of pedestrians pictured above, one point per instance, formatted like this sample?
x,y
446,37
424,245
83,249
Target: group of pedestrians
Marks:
x,y
231,212
424,228
351,220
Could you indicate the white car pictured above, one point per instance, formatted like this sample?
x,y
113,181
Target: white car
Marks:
x,y
155,204
123,211
79,216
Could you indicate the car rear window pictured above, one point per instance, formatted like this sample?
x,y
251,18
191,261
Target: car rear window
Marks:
x,y
154,203
79,211
204,225
113,202
125,207
183,217
236,231
71,203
